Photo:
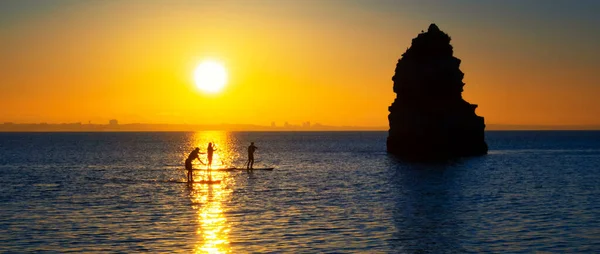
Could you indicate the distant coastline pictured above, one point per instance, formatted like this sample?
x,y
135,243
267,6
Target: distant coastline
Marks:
x,y
142,127
515,127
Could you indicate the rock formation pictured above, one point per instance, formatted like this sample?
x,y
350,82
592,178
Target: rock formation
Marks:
x,y
429,119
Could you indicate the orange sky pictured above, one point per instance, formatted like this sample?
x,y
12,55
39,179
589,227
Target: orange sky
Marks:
x,y
320,61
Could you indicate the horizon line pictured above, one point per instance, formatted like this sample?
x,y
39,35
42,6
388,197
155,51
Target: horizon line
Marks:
x,y
169,127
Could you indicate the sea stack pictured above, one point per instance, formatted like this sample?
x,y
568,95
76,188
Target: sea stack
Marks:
x,y
429,119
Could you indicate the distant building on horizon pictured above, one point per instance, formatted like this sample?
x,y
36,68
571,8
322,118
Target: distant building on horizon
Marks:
x,y
113,122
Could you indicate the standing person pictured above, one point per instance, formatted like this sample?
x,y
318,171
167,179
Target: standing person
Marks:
x,y
188,163
209,152
251,150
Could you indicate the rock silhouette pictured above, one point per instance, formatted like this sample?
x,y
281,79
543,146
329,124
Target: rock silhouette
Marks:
x,y
429,119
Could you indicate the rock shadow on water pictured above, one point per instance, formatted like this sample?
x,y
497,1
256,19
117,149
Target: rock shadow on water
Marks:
x,y
423,211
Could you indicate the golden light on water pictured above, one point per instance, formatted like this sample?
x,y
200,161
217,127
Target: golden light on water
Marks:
x,y
222,142
212,228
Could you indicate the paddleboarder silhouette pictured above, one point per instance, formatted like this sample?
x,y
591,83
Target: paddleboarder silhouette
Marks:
x,y
251,149
195,154
209,153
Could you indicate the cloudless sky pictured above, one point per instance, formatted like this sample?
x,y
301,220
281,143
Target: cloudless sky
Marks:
x,y
525,62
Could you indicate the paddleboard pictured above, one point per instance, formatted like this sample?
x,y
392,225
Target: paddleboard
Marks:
x,y
233,169
207,182
199,182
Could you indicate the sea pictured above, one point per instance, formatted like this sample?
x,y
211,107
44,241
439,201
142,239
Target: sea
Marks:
x,y
330,192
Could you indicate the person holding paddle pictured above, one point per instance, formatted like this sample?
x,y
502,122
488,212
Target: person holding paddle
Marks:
x,y
209,152
251,150
195,154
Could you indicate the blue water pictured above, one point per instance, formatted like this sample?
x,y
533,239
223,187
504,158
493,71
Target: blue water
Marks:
x,y
330,192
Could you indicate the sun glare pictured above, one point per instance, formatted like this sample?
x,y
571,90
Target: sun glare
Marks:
x,y
210,76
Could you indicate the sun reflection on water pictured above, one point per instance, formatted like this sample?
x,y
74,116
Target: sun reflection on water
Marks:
x,y
212,231
222,142
207,199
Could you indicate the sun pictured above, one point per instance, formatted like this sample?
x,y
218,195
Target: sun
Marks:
x,y
210,76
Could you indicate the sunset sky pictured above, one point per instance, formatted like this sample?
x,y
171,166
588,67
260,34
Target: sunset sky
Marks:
x,y
331,62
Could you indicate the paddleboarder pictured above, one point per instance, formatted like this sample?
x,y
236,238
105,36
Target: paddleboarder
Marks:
x,y
251,149
195,154
209,152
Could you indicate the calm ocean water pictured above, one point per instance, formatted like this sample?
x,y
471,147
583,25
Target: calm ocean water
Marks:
x,y
330,192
